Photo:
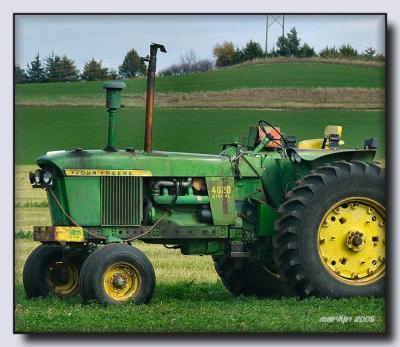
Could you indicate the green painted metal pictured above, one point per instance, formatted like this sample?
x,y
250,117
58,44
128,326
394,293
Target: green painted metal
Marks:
x,y
249,165
266,217
113,104
246,187
188,199
261,145
111,129
183,215
57,217
83,199
161,164
113,94
221,193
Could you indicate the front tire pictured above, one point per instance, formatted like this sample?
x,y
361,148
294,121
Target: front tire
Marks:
x,y
117,274
51,269
330,235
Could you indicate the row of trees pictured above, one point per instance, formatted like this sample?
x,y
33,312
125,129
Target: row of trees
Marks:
x,y
189,64
57,68
349,52
286,46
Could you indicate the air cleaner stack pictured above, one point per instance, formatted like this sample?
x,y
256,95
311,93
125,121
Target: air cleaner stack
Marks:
x,y
113,104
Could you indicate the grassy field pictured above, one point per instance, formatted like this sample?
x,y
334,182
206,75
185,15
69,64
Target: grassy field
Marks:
x,y
40,129
254,76
189,298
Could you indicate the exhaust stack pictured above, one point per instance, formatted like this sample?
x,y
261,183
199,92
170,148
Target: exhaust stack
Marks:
x,y
151,76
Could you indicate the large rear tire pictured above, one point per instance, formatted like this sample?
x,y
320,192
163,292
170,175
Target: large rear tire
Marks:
x,y
330,235
249,279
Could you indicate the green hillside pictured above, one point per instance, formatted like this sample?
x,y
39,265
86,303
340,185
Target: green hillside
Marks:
x,y
41,129
300,75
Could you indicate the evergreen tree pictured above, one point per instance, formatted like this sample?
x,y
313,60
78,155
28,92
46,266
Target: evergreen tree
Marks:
x,y
289,46
35,70
131,66
237,56
60,69
306,51
53,67
293,43
282,48
113,74
252,50
70,72
93,71
20,75
347,51
329,52
369,53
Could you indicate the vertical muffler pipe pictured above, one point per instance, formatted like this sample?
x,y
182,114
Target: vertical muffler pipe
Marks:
x,y
113,104
151,76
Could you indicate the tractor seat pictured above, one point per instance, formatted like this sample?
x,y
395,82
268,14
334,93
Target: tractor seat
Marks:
x,y
318,143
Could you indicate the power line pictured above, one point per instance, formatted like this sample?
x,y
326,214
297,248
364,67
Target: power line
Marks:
x,y
333,34
279,20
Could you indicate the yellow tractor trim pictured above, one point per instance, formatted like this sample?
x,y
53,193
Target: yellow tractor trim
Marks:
x,y
58,233
317,143
121,281
351,241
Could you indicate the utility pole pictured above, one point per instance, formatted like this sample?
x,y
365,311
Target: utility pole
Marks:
x,y
266,38
278,19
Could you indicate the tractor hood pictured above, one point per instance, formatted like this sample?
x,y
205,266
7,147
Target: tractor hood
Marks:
x,y
154,163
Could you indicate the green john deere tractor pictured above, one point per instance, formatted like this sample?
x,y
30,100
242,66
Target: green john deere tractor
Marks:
x,y
278,217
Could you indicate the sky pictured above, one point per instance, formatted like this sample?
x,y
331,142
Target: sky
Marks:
x,y
109,37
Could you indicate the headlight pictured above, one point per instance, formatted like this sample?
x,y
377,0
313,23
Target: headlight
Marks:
x,y
37,176
47,177
295,158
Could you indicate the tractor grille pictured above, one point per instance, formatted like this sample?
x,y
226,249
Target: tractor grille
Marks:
x,y
121,200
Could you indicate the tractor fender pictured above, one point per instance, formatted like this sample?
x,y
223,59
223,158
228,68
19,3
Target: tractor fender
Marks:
x,y
309,159
281,174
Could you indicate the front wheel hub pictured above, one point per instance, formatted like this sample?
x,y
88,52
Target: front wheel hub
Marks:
x,y
121,281
62,278
118,281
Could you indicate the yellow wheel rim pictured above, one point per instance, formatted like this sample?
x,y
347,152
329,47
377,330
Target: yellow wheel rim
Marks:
x,y
121,281
351,241
62,278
